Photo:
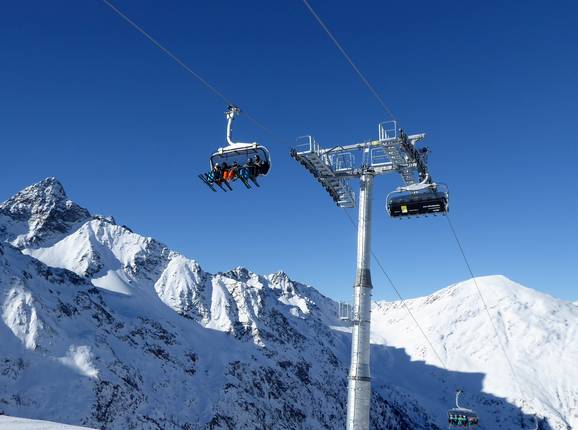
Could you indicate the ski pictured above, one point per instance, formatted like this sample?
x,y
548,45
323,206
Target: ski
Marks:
x,y
244,181
202,178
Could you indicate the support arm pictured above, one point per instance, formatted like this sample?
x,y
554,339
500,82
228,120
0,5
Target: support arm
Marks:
x,y
231,113
458,392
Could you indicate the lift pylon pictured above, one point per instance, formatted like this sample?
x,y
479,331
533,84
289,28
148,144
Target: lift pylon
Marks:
x,y
335,168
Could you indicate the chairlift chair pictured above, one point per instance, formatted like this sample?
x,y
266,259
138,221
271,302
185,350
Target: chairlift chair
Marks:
x,y
418,199
460,418
241,153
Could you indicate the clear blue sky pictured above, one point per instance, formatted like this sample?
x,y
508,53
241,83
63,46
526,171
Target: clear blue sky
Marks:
x,y
87,99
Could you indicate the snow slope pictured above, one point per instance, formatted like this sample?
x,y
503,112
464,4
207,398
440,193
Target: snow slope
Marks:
x,y
13,423
105,328
538,332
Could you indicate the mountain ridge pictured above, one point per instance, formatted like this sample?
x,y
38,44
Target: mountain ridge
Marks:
x,y
273,351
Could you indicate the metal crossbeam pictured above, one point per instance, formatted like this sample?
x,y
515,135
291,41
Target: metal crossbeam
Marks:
x,y
413,139
328,167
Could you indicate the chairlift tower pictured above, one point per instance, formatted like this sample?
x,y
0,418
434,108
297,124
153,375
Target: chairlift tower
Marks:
x,y
335,168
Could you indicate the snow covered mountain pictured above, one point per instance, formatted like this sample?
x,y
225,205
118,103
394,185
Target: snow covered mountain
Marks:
x,y
538,332
105,328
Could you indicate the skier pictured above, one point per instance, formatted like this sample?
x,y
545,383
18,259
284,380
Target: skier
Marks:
x,y
216,174
225,170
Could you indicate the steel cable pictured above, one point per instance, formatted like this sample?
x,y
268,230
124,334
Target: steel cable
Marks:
x,y
483,300
350,61
402,300
181,63
219,94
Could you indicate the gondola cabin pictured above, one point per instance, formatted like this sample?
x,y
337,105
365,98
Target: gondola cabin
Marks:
x,y
427,202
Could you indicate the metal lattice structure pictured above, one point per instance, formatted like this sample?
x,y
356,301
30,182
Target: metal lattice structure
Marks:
x,y
326,170
335,168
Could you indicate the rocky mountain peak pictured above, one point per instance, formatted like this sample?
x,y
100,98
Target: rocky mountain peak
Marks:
x,y
240,274
279,278
282,281
38,213
49,191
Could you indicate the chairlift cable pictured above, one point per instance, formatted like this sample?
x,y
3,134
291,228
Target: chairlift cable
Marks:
x,y
169,53
483,300
479,291
181,63
219,94
390,113
349,60
374,92
403,302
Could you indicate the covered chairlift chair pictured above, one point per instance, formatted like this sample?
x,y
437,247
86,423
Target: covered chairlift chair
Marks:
x,y
424,198
459,418
252,159
420,195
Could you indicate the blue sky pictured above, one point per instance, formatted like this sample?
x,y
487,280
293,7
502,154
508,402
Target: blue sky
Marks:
x,y
87,99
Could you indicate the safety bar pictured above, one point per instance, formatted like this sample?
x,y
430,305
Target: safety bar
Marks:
x,y
387,130
307,146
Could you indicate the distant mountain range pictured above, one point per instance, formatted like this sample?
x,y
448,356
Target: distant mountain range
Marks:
x,y
105,328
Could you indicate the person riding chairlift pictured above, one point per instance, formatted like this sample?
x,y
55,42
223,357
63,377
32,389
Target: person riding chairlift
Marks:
x,y
251,168
232,173
225,169
262,166
215,175
247,170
